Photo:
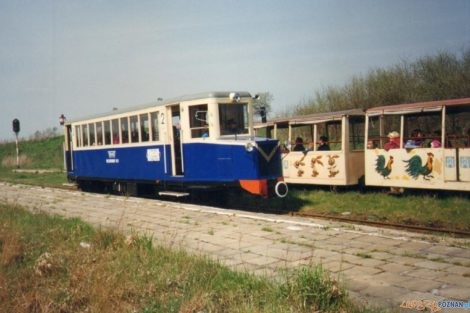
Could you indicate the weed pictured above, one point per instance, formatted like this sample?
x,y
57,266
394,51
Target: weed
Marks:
x,y
315,288
267,229
363,255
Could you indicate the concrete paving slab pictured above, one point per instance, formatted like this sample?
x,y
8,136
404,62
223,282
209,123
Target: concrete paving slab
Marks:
x,y
457,293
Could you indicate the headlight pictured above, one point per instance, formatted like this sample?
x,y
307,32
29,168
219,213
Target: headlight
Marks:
x,y
249,147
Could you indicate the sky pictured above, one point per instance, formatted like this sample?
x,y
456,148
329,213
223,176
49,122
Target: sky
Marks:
x,y
80,58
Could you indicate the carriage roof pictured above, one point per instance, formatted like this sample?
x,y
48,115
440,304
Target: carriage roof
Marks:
x,y
190,97
417,107
313,118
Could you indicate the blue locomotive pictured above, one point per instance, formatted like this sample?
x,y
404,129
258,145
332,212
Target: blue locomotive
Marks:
x,y
201,141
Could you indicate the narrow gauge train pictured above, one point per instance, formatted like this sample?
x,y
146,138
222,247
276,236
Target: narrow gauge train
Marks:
x,y
200,141
431,150
304,162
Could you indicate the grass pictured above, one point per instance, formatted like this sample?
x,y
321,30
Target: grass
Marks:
x,y
433,209
35,154
443,211
52,264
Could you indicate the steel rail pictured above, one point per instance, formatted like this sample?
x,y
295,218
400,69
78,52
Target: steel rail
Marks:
x,y
419,228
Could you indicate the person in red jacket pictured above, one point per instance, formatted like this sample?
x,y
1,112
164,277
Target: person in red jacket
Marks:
x,y
393,141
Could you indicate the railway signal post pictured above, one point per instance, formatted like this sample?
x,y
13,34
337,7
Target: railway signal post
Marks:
x,y
16,130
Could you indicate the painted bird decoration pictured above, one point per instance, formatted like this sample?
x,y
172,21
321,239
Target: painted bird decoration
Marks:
x,y
415,166
382,168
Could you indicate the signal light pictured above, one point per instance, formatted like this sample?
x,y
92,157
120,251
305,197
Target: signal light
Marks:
x,y
16,126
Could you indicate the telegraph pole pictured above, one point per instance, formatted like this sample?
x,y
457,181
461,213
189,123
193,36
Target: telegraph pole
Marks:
x,y
16,130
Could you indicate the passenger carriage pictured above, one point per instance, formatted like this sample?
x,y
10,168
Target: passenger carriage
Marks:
x,y
341,165
199,141
431,149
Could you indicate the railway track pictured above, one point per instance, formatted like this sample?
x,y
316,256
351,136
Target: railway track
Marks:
x,y
418,228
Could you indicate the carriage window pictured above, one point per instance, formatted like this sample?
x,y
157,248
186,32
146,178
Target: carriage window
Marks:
x,y
332,131
134,128
420,129
457,132
124,130
144,127
91,129
154,123
107,133
78,136
379,128
198,121
374,139
99,133
301,136
85,135
115,131
233,118
356,133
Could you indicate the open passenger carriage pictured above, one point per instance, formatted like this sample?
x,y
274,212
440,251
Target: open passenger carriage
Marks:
x,y
419,145
341,165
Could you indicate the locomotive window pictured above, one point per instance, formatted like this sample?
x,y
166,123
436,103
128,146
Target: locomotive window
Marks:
x,y
107,133
115,131
356,133
85,135
198,121
99,133
154,124
233,118
78,136
124,130
134,128
91,129
144,127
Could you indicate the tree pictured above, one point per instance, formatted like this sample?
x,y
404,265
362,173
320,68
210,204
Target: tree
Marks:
x,y
439,77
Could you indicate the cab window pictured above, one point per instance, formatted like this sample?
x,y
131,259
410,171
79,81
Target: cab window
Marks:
x,y
198,121
233,118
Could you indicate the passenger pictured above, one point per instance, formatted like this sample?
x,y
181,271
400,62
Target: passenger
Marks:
x,y
418,137
323,144
393,141
370,144
299,144
436,140
416,140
